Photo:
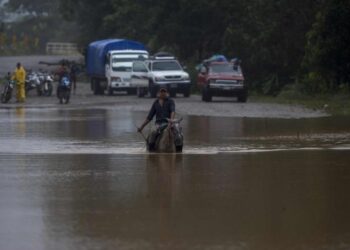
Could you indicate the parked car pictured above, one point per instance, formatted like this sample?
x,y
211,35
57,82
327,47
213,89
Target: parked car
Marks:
x,y
222,78
163,71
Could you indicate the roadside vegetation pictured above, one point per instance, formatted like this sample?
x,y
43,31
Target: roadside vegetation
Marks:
x,y
290,50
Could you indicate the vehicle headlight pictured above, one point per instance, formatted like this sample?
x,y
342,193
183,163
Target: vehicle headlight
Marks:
x,y
186,78
116,79
158,79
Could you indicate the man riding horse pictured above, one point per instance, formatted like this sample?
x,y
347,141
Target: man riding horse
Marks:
x,y
164,110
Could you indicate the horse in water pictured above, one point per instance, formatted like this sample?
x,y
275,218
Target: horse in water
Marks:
x,y
170,138
165,143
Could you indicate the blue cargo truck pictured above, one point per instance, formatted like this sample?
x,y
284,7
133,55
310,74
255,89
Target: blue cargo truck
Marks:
x,y
109,64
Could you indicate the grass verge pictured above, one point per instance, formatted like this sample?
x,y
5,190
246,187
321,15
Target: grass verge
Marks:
x,y
333,104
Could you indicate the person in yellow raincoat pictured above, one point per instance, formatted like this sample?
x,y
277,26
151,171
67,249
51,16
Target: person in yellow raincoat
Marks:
x,y
20,78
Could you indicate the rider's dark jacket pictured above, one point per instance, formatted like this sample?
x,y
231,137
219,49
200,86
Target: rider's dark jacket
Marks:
x,y
162,112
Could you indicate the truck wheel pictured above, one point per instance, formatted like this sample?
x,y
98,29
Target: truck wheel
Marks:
x,y
95,86
132,91
172,93
187,92
206,96
243,97
141,92
98,90
110,91
92,87
153,90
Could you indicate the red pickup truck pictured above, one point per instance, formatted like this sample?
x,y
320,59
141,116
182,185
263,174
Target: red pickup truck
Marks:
x,y
222,79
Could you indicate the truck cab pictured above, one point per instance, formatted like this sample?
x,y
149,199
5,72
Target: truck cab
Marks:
x,y
222,79
119,67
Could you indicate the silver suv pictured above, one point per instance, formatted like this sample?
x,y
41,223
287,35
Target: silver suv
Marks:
x,y
163,71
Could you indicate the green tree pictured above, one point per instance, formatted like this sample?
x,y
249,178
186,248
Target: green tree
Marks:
x,y
89,16
38,6
327,50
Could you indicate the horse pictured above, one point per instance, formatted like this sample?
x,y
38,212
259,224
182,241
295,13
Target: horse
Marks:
x,y
170,138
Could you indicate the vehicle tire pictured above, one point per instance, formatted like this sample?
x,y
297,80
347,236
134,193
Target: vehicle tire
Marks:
x,y
3,98
187,92
141,92
92,87
64,97
131,91
67,98
153,90
242,97
49,90
179,149
98,90
172,93
95,86
206,96
39,92
110,91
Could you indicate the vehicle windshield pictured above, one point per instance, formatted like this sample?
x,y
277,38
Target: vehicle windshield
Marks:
x,y
122,67
166,66
129,58
224,69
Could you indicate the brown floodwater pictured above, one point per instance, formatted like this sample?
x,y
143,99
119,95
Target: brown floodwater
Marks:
x,y
81,179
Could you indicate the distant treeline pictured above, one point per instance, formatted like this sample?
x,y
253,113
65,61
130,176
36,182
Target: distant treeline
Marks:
x,y
282,42
39,23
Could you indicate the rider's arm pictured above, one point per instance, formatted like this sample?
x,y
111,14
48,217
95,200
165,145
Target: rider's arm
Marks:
x,y
149,118
172,110
144,124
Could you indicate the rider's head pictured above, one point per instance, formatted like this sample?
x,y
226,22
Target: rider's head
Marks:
x,y
18,65
163,93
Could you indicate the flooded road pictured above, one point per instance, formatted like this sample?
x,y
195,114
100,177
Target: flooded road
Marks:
x,y
81,179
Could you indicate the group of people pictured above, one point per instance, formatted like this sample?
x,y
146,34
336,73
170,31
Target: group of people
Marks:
x,y
19,76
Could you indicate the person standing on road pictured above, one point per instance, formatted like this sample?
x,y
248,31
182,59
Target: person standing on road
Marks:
x,y
73,76
61,72
20,77
164,109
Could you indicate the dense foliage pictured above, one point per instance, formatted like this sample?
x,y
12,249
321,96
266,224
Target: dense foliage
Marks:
x,y
280,42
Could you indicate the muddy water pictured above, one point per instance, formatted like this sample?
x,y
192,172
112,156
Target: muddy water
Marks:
x,y
81,179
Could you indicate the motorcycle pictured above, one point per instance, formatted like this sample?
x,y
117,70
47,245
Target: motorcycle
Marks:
x,y
169,139
64,89
32,82
7,91
45,87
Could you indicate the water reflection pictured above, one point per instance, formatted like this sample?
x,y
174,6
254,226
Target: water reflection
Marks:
x,y
101,197
21,124
163,184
